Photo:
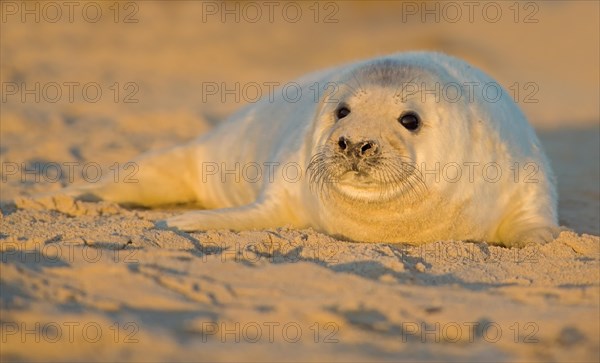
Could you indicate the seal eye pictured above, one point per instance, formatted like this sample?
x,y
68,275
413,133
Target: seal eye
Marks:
x,y
342,112
410,121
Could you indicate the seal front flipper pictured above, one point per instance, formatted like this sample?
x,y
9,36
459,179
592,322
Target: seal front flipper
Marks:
x,y
521,236
257,215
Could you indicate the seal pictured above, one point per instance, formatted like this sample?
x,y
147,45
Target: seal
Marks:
x,y
412,147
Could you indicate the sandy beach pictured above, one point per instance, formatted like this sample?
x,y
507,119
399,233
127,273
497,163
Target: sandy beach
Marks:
x,y
88,89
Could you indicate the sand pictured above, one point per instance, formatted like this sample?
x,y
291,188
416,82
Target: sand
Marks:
x,y
98,282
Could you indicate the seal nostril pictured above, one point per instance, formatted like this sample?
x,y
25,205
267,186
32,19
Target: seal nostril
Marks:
x,y
342,143
366,147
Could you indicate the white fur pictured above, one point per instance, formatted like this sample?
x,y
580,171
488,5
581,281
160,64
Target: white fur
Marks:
x,y
290,133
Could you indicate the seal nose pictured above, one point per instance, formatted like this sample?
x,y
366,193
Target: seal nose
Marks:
x,y
358,149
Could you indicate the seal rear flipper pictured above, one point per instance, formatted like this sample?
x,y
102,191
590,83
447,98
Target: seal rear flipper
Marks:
x,y
163,177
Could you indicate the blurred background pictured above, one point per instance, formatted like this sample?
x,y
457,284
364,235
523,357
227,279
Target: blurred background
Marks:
x,y
104,81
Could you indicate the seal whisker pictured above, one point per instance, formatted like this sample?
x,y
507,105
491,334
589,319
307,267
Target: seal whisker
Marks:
x,y
396,174
403,172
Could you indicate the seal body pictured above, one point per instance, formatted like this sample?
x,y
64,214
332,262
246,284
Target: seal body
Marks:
x,y
412,147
